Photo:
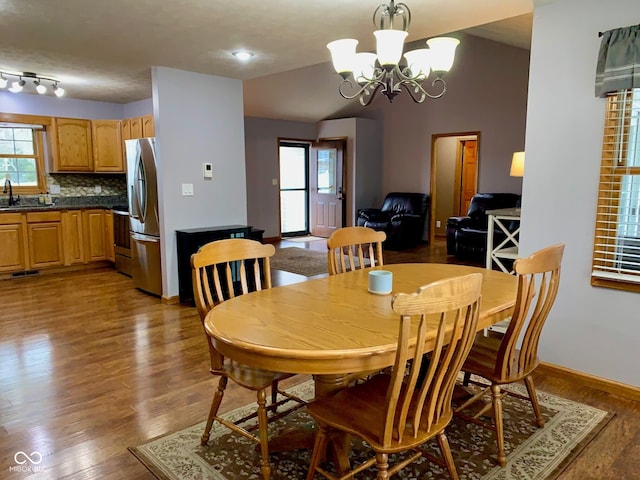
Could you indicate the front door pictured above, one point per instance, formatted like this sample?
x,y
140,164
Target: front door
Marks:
x,y
325,187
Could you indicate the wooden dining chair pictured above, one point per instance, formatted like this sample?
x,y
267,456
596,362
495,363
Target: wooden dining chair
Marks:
x,y
505,360
222,270
352,248
394,412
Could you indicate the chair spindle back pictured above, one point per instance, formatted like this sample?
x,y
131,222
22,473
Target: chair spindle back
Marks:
x,y
451,307
350,247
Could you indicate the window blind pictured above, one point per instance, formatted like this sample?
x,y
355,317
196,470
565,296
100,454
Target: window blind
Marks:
x,y
616,251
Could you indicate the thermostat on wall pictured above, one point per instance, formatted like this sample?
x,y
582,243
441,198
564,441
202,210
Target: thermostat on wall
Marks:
x,y
207,170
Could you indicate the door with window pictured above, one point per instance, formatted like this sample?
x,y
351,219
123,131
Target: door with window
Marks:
x,y
325,187
294,188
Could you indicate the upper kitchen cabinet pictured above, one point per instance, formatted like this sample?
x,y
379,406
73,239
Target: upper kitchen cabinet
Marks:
x,y
71,148
138,127
148,129
107,146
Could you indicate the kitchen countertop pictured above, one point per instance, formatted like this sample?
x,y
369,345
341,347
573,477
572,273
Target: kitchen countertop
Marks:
x,y
54,207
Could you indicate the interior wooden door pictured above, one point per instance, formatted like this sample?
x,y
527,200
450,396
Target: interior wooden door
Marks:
x,y
325,187
469,174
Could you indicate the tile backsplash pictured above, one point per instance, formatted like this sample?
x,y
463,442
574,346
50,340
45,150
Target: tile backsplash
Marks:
x,y
84,185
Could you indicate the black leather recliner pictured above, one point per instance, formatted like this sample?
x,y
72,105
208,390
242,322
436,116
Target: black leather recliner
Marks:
x,y
467,236
403,217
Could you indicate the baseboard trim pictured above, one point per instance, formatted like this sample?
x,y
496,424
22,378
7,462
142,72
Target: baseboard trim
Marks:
x,y
599,383
175,299
271,239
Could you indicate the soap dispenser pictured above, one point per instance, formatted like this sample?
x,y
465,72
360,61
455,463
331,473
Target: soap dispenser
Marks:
x,y
47,199
41,199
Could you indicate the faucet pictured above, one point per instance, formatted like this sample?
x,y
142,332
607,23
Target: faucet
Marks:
x,y
12,201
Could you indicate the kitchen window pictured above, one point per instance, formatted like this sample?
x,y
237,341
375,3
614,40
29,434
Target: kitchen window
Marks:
x,y
616,252
22,158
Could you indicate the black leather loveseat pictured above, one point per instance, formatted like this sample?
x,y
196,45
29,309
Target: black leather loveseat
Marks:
x,y
403,217
467,236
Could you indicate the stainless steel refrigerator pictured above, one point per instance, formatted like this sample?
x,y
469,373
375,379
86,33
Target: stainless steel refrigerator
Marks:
x,y
142,190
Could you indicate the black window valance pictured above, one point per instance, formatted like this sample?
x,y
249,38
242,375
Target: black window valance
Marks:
x,y
618,60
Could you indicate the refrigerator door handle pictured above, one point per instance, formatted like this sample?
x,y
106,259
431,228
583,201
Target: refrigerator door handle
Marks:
x,y
134,204
144,238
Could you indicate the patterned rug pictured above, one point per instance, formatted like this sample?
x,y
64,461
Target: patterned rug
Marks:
x,y
300,260
532,453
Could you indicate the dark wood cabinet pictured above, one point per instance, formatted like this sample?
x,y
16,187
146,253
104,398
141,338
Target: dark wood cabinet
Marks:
x,y
191,239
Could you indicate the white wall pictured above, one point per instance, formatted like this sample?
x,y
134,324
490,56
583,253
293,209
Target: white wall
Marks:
x,y
138,109
53,106
593,330
198,118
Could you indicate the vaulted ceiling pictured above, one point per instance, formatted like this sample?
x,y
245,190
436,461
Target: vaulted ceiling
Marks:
x,y
103,51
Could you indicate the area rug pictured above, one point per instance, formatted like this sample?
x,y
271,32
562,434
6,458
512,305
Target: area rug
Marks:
x,y
532,453
300,260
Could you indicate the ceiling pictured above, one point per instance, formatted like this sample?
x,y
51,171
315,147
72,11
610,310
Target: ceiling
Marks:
x,y
103,51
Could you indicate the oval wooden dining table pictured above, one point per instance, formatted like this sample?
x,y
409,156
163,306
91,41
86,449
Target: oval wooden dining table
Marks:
x,y
332,326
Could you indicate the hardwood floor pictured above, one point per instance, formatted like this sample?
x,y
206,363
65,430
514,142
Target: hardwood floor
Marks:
x,y
90,366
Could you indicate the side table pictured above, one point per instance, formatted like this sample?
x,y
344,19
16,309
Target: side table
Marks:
x,y
508,248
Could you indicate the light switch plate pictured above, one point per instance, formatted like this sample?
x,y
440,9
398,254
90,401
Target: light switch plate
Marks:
x,y
97,189
187,189
54,189
274,181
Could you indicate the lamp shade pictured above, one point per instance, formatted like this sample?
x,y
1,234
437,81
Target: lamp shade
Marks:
x,y
343,54
517,165
389,45
365,64
443,51
419,62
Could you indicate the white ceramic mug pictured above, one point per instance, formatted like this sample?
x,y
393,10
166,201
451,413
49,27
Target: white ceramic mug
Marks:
x,y
380,282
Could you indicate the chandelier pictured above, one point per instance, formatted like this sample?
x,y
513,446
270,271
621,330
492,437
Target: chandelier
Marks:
x,y
382,70
21,78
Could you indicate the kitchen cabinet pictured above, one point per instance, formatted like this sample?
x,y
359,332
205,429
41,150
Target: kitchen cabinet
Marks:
x,y
106,138
136,127
108,236
13,254
73,236
95,245
71,147
148,129
126,129
44,232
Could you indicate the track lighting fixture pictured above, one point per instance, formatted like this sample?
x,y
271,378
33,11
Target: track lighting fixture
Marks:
x,y
18,84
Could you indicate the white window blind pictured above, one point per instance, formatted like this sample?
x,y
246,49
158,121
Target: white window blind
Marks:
x,y
616,252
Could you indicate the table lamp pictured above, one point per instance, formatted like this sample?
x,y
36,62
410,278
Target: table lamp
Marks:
x,y
517,164
517,167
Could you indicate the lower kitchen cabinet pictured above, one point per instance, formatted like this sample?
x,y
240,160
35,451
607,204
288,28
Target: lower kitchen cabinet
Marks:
x,y
55,238
73,237
13,254
108,236
44,231
95,244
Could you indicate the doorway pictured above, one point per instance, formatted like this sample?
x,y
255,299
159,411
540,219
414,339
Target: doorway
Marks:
x,y
294,188
326,194
454,177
